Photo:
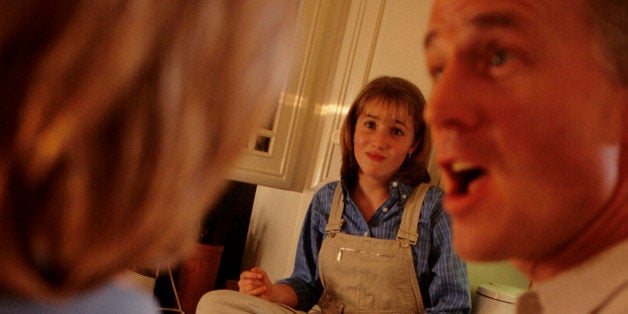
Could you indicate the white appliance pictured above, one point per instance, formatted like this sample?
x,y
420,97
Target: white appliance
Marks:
x,y
495,298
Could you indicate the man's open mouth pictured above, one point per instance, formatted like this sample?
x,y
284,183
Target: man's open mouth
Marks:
x,y
462,175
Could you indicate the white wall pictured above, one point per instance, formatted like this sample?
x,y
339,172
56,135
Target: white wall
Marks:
x,y
274,230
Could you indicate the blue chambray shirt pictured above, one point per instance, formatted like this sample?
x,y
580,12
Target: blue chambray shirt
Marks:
x,y
441,274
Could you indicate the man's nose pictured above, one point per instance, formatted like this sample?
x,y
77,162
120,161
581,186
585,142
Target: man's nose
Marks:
x,y
453,103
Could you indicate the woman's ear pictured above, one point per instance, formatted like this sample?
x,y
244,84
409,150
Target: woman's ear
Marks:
x,y
414,145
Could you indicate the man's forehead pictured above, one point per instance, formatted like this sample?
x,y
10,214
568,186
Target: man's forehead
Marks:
x,y
458,16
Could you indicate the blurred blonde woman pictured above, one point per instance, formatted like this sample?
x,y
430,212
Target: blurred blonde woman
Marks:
x,y
118,122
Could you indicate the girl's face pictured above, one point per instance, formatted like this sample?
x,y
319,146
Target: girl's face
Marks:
x,y
383,138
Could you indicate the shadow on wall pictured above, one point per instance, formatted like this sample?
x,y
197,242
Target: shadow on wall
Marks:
x,y
227,224
218,256
253,244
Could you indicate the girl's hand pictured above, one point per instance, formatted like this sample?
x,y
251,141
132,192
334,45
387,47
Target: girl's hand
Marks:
x,y
255,282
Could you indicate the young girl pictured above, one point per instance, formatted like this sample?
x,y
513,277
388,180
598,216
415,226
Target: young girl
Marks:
x,y
378,240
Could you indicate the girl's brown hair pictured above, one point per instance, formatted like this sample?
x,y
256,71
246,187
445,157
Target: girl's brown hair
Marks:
x,y
402,96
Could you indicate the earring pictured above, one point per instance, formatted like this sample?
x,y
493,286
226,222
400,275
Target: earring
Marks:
x,y
409,155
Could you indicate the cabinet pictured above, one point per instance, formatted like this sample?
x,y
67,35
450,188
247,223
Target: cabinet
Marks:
x,y
277,155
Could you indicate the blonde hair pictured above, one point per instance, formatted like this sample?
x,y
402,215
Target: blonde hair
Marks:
x,y
119,120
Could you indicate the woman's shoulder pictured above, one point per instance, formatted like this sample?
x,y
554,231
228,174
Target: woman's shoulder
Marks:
x,y
327,190
433,202
323,197
111,298
435,191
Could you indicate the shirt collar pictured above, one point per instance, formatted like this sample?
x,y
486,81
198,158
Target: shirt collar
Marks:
x,y
590,283
395,186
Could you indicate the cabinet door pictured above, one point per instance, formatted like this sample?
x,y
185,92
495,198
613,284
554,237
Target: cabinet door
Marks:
x,y
275,150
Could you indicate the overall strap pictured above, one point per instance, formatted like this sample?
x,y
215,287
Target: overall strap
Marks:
x,y
411,214
334,224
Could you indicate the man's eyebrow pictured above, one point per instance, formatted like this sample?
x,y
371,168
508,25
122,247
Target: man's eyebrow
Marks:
x,y
495,19
501,19
427,42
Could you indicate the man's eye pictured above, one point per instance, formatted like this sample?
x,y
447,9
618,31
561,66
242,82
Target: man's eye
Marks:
x,y
436,73
370,124
499,57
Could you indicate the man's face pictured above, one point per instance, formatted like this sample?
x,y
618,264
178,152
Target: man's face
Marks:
x,y
526,122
